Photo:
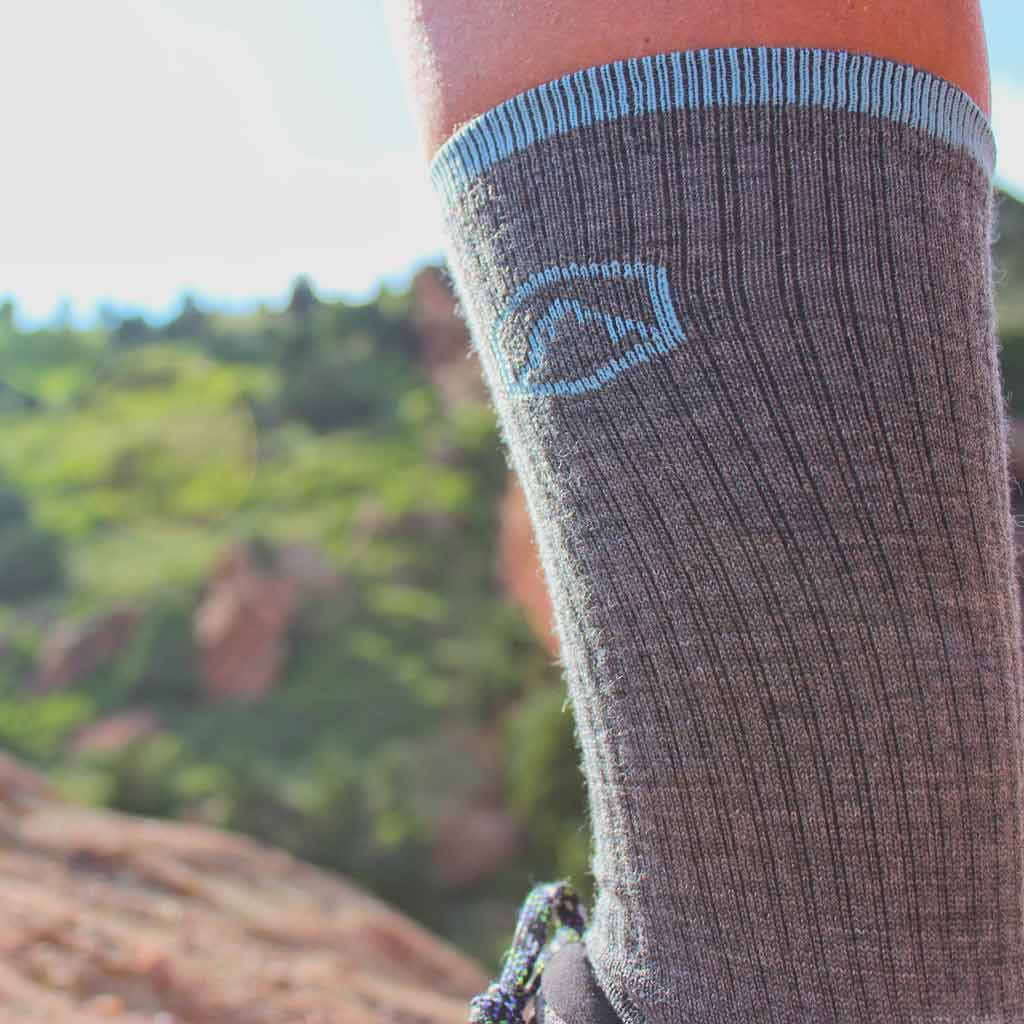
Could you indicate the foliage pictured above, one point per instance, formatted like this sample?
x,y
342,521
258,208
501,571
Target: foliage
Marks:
x,y
135,453
545,783
1008,257
157,667
141,452
38,727
31,559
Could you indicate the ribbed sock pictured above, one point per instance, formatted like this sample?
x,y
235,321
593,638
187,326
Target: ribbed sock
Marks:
x,y
735,311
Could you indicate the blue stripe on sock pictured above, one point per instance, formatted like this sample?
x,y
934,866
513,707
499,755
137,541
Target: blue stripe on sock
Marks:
x,y
866,96
548,111
886,90
852,76
735,84
622,89
749,77
678,81
608,92
664,92
763,82
706,95
721,79
791,95
596,94
815,75
636,84
652,91
571,103
506,134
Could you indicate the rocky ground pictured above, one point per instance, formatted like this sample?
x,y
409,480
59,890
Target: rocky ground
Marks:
x,y
105,917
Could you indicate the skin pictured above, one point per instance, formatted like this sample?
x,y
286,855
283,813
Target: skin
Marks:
x,y
465,56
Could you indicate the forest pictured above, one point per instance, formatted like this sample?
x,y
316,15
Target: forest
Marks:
x,y
250,576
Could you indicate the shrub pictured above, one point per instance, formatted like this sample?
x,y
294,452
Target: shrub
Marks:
x,y
545,786
31,561
159,666
343,384
158,776
37,728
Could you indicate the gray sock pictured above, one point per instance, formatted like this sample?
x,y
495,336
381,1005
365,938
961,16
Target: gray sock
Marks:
x,y
735,311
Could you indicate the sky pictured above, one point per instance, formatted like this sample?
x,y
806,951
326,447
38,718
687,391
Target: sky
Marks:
x,y
223,147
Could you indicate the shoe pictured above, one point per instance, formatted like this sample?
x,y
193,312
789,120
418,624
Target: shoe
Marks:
x,y
569,993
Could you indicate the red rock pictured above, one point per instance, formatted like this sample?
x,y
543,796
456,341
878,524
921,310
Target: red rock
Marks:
x,y
474,834
445,347
1015,431
308,567
114,733
19,782
520,568
108,917
1016,469
241,626
471,843
73,650
444,340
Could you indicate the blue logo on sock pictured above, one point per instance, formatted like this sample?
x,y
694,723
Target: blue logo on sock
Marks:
x,y
543,311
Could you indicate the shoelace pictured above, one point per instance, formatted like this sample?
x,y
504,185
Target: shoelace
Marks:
x,y
550,917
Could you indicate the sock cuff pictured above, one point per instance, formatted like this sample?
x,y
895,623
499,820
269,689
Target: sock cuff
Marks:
x,y
761,76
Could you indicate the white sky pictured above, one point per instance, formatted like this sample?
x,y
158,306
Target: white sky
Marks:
x,y
225,146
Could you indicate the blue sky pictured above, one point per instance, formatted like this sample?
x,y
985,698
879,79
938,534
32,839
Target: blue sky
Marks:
x,y
224,146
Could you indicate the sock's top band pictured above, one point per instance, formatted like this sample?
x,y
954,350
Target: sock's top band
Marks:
x,y
735,76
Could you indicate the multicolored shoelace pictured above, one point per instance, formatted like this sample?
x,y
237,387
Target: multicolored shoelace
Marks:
x,y
550,917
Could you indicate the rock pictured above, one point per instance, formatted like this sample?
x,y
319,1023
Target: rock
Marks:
x,y
520,568
1015,443
251,602
445,346
241,627
108,917
115,732
1016,465
73,650
473,833
242,624
308,567
19,782
472,843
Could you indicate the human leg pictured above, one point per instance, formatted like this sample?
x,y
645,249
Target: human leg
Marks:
x,y
734,306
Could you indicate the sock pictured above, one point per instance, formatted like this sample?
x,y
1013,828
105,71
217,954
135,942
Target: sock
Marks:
x,y
735,311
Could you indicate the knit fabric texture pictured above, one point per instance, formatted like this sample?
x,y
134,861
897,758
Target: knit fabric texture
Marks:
x,y
735,311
